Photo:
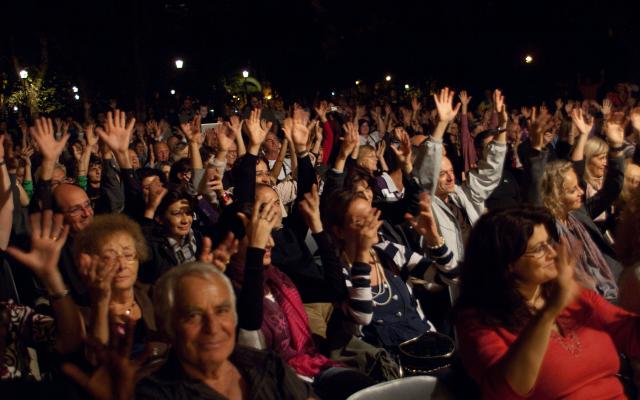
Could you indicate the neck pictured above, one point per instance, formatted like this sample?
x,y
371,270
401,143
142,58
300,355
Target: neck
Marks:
x,y
211,374
351,251
95,185
444,196
123,296
531,293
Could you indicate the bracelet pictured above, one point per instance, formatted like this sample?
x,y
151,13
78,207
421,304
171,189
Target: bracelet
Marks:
x,y
436,247
303,154
58,296
617,149
2,162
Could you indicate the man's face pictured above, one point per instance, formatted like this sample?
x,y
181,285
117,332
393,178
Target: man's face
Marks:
x,y
95,173
162,152
76,207
446,180
204,323
59,176
271,143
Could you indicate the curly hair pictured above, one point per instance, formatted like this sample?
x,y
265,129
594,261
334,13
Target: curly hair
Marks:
x,y
628,232
552,187
593,148
103,227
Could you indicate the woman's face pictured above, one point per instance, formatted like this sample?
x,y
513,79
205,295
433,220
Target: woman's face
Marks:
x,y
572,192
598,165
368,160
120,250
178,219
359,210
538,263
364,128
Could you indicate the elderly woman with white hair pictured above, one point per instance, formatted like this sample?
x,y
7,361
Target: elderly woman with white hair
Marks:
x,y
195,307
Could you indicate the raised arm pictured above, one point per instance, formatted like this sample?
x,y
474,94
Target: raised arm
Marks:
x,y
468,149
580,122
236,126
92,141
48,236
191,131
117,135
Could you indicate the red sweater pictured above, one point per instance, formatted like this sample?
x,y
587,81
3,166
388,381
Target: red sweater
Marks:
x,y
580,365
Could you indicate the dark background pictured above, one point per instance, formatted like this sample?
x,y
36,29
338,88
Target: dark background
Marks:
x,y
126,48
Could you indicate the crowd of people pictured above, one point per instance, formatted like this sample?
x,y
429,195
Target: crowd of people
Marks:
x,y
318,250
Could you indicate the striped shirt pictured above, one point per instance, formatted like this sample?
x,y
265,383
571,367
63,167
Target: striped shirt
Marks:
x,y
437,269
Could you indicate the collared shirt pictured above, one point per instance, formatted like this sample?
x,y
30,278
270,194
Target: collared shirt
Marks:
x,y
185,250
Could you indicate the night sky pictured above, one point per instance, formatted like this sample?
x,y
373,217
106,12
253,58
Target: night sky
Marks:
x,y
126,48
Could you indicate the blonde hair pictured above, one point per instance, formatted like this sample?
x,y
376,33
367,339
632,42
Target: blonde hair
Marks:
x,y
552,187
91,239
365,151
593,148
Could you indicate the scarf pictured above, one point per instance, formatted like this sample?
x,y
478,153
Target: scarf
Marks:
x,y
592,270
306,359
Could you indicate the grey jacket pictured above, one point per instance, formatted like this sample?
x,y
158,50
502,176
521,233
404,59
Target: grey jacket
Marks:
x,y
470,196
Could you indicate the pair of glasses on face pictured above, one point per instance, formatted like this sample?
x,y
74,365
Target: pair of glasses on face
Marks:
x,y
541,249
111,257
78,209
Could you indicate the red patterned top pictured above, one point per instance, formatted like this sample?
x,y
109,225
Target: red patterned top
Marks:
x,y
580,363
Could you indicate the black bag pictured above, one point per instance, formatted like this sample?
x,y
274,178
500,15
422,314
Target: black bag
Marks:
x,y
426,354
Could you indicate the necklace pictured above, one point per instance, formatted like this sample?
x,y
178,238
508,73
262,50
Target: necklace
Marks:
x,y
383,285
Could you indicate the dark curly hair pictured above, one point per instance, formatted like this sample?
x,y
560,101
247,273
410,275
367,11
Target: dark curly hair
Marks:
x,y
487,285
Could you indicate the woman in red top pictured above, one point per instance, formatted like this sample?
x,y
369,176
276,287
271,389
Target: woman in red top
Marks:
x,y
526,329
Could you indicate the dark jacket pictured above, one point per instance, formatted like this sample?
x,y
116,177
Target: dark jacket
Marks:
x,y
265,374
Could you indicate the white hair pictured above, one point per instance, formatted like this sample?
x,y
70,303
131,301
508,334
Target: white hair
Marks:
x,y
164,292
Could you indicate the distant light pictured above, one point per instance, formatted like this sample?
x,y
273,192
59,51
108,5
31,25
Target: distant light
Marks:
x,y
24,74
211,110
179,63
245,74
15,108
77,97
406,86
357,82
269,97
173,91
387,78
333,93
528,59
75,89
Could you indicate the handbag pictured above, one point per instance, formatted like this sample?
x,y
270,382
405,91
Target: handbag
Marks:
x,y
426,354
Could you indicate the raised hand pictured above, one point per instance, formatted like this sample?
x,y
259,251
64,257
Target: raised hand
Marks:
x,y
116,375
117,135
98,277
465,99
152,127
415,105
92,138
322,110
43,134
191,129
607,106
310,209
614,130
256,133
236,125
444,105
403,152
425,223
368,234
266,125
152,199
221,255
224,136
498,101
300,132
350,140
565,289
48,235
263,220
537,129
569,107
580,121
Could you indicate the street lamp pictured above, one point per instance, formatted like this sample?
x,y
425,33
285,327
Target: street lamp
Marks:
x,y
75,89
24,74
179,63
406,86
357,83
528,59
387,78
245,74
77,97
173,91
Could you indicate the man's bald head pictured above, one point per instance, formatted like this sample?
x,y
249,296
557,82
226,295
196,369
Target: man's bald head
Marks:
x,y
74,203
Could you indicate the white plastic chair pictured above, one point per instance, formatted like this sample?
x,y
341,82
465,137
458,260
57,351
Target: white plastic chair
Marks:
x,y
411,388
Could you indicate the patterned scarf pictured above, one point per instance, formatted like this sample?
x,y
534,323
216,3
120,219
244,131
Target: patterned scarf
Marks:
x,y
307,360
592,270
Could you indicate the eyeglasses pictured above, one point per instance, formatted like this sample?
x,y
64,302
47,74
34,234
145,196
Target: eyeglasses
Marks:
x,y
541,250
111,257
79,209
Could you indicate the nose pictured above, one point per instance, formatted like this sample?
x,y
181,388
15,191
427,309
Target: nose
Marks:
x,y
210,324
